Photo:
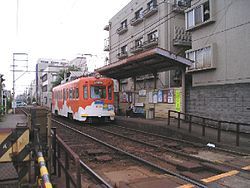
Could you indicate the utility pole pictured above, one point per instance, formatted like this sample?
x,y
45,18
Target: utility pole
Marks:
x,y
16,59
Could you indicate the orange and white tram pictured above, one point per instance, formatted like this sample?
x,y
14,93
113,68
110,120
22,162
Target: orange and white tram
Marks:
x,y
85,98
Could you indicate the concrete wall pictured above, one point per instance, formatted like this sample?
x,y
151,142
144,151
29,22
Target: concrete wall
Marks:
x,y
231,35
230,102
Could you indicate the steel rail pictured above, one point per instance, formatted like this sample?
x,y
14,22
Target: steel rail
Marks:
x,y
93,173
199,184
174,151
185,141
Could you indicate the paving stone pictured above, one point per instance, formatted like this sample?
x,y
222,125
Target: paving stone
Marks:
x,y
189,166
103,158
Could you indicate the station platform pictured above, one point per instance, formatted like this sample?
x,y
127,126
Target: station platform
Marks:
x,y
160,126
11,120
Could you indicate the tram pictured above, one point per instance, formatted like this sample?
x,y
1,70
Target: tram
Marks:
x,y
85,99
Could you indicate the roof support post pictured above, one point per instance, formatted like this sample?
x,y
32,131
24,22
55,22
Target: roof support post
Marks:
x,y
155,80
183,89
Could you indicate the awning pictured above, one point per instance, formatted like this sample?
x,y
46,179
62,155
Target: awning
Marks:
x,y
150,61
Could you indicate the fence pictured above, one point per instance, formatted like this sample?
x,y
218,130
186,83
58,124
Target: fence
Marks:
x,y
207,122
63,157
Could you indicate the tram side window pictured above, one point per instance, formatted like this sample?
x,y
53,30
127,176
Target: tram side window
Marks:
x,y
73,93
64,95
85,92
110,92
70,93
98,92
77,93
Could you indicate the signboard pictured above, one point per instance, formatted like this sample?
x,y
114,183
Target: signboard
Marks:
x,y
165,96
150,97
177,100
170,96
155,97
142,93
124,97
159,96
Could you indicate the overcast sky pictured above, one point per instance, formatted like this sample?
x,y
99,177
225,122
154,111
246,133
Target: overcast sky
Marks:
x,y
51,29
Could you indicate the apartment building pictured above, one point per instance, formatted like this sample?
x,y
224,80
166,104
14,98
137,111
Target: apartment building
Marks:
x,y
219,78
41,66
140,26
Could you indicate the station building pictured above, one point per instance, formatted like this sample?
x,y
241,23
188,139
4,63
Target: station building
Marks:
x,y
147,43
213,35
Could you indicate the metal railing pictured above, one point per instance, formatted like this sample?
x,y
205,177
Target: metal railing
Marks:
x,y
207,122
63,157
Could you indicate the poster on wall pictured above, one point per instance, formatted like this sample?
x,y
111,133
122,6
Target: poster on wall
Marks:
x,y
150,97
124,97
170,96
142,93
165,96
177,100
159,96
155,97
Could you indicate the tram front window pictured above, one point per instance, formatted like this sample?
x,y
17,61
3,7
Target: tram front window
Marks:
x,y
98,92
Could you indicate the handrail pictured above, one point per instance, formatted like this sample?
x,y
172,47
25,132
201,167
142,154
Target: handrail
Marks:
x,y
59,146
43,171
189,118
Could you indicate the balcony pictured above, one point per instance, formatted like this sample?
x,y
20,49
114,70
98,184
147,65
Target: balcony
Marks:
x,y
136,20
150,11
106,45
122,30
122,55
136,49
150,43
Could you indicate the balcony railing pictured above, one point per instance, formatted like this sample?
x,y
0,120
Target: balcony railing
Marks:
x,y
150,43
122,55
122,30
136,49
150,11
136,20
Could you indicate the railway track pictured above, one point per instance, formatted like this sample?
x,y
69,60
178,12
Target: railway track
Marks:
x,y
107,160
183,162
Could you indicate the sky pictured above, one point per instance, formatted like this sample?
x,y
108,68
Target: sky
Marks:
x,y
58,29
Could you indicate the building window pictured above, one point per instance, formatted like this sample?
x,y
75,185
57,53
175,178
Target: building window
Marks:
x,y
153,36
139,13
44,88
202,58
198,15
151,4
139,42
45,77
124,49
124,24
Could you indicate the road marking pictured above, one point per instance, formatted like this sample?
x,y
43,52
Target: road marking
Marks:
x,y
186,186
246,168
217,177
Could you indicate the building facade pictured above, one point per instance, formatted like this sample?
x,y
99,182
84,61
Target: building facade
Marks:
x,y
140,26
41,66
219,79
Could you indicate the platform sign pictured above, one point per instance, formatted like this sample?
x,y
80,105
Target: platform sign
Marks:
x,y
160,96
177,100
170,96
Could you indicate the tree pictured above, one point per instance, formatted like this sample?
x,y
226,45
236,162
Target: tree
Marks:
x,y
61,74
